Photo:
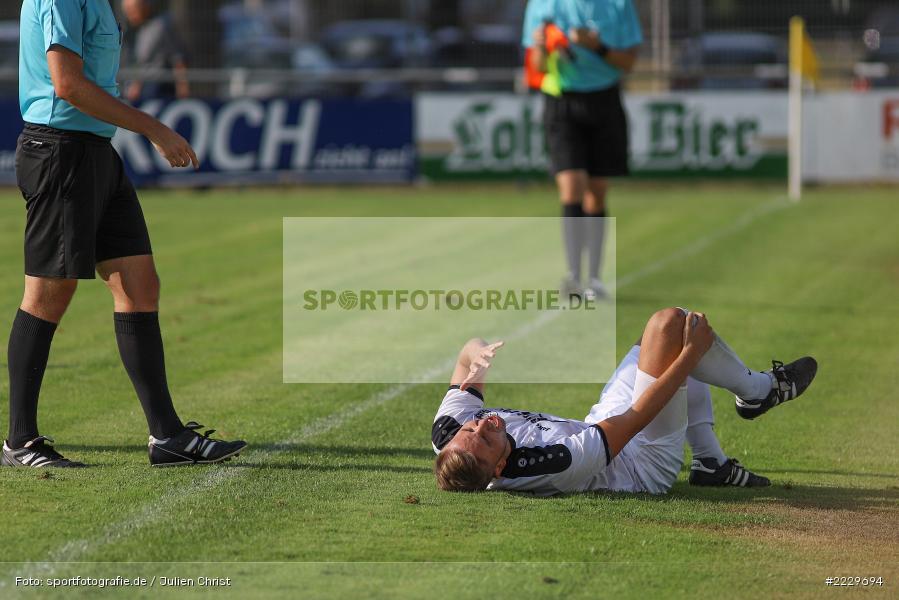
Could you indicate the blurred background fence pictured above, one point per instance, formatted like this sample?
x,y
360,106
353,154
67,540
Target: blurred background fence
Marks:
x,y
399,90
371,48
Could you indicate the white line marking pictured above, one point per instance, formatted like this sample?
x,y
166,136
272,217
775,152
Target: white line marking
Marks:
x,y
73,550
705,241
158,510
683,253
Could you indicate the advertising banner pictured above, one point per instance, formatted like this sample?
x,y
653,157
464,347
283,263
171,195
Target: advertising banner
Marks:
x,y
852,137
464,136
264,141
10,128
848,136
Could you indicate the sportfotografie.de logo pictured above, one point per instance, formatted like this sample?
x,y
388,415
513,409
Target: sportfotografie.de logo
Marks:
x,y
378,300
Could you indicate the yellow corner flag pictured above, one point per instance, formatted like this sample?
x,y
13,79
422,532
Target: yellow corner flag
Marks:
x,y
803,59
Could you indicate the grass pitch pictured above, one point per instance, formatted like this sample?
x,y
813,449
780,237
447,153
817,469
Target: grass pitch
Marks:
x,y
335,497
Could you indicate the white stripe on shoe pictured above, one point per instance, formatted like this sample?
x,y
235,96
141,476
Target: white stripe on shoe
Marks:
x,y
209,446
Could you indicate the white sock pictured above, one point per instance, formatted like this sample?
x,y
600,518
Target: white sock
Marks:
x,y
702,439
721,367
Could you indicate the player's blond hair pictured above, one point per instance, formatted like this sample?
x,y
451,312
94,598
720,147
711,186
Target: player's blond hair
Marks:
x,y
461,471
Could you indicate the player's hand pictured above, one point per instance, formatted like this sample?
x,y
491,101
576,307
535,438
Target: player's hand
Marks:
x,y
698,335
479,363
174,148
539,37
582,36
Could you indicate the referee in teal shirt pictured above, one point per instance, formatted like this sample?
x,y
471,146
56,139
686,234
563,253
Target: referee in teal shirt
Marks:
x,y
83,217
585,124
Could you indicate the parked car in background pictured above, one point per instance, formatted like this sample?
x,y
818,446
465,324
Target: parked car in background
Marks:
x,y
251,41
879,67
311,62
377,44
485,46
495,47
733,60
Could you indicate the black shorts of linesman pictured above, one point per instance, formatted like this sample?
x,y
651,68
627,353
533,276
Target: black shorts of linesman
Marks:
x,y
579,52
83,217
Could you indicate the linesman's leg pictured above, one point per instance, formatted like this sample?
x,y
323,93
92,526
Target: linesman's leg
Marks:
x,y
566,142
125,263
44,303
595,231
134,285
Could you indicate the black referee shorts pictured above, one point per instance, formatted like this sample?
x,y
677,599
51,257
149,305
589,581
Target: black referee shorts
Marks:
x,y
81,207
587,131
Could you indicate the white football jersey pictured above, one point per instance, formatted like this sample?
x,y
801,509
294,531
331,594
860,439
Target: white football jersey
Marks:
x,y
549,454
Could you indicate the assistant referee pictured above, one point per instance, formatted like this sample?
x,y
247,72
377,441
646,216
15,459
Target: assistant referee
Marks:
x,y
83,217
595,44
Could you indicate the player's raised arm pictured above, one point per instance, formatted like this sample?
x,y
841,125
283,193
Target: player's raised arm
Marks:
x,y
473,362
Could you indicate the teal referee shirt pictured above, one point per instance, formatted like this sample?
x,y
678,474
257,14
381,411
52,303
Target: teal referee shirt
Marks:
x,y
86,27
616,21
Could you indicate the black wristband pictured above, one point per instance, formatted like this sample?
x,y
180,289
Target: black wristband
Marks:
x,y
603,50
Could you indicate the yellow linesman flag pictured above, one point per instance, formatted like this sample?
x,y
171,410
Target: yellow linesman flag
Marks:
x,y
803,59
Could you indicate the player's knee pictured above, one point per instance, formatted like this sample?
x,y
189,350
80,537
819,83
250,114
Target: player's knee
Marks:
x,y
155,285
65,289
151,290
593,204
668,320
595,197
572,186
48,298
51,290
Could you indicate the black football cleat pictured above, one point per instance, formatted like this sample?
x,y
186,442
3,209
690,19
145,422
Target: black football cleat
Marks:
x,y
191,448
706,471
38,453
790,382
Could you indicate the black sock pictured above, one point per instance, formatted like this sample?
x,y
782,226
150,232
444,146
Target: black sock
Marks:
x,y
573,235
140,346
596,233
29,348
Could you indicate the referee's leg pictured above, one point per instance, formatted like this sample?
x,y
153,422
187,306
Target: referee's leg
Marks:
x,y
44,303
135,285
595,196
572,185
595,230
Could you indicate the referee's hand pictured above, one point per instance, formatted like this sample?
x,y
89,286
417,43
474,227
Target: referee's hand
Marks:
x,y
582,36
174,148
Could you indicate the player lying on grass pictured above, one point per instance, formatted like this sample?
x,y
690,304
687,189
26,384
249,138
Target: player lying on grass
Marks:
x,y
632,440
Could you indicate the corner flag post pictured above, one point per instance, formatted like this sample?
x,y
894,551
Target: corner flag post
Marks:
x,y
803,63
